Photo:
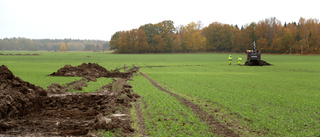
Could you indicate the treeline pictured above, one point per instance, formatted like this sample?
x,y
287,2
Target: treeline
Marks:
x,y
53,44
270,35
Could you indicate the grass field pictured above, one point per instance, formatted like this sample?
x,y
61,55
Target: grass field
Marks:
x,y
278,100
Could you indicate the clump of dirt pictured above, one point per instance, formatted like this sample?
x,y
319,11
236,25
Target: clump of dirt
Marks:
x,y
17,97
260,63
27,110
92,70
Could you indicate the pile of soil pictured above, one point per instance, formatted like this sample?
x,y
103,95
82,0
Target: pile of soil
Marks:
x,y
92,70
28,110
17,97
260,63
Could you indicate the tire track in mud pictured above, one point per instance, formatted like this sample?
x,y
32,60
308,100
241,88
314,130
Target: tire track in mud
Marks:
x,y
140,119
214,125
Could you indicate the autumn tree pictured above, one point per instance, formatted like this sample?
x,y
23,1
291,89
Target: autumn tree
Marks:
x,y
218,37
188,39
160,36
115,40
166,30
177,46
141,44
150,31
133,41
286,40
263,45
242,39
63,47
269,34
160,43
236,39
192,38
292,28
273,25
312,35
126,43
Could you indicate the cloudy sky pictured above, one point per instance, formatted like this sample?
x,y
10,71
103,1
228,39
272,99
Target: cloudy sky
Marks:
x,y
99,19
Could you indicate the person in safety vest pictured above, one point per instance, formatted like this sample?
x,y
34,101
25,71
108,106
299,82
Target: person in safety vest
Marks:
x,y
239,60
230,59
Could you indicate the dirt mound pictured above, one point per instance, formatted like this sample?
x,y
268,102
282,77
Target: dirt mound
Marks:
x,y
17,97
92,70
260,63
27,110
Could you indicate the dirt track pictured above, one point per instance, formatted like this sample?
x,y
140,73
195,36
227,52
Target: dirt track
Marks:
x,y
28,110
215,126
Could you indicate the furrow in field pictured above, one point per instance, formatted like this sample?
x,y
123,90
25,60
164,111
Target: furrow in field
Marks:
x,y
140,119
214,124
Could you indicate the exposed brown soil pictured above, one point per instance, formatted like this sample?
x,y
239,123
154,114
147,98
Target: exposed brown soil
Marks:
x,y
215,126
92,70
260,63
28,110
75,85
17,97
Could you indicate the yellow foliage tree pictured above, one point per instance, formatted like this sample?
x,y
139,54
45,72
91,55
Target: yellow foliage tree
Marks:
x,y
63,47
192,38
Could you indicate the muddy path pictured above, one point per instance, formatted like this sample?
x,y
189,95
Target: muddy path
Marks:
x,y
215,126
142,129
29,110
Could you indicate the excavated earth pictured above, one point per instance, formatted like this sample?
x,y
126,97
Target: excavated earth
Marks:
x,y
92,70
29,110
260,63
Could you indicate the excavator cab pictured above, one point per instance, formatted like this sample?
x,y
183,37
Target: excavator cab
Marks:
x,y
253,56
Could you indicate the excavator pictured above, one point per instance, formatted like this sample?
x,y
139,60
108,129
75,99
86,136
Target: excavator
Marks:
x,y
254,57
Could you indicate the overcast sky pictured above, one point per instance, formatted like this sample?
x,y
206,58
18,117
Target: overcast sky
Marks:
x,y
100,19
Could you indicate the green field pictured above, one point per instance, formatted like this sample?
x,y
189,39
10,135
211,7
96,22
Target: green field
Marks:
x,y
278,100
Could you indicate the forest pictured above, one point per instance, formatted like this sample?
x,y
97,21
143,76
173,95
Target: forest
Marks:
x,y
53,44
271,36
